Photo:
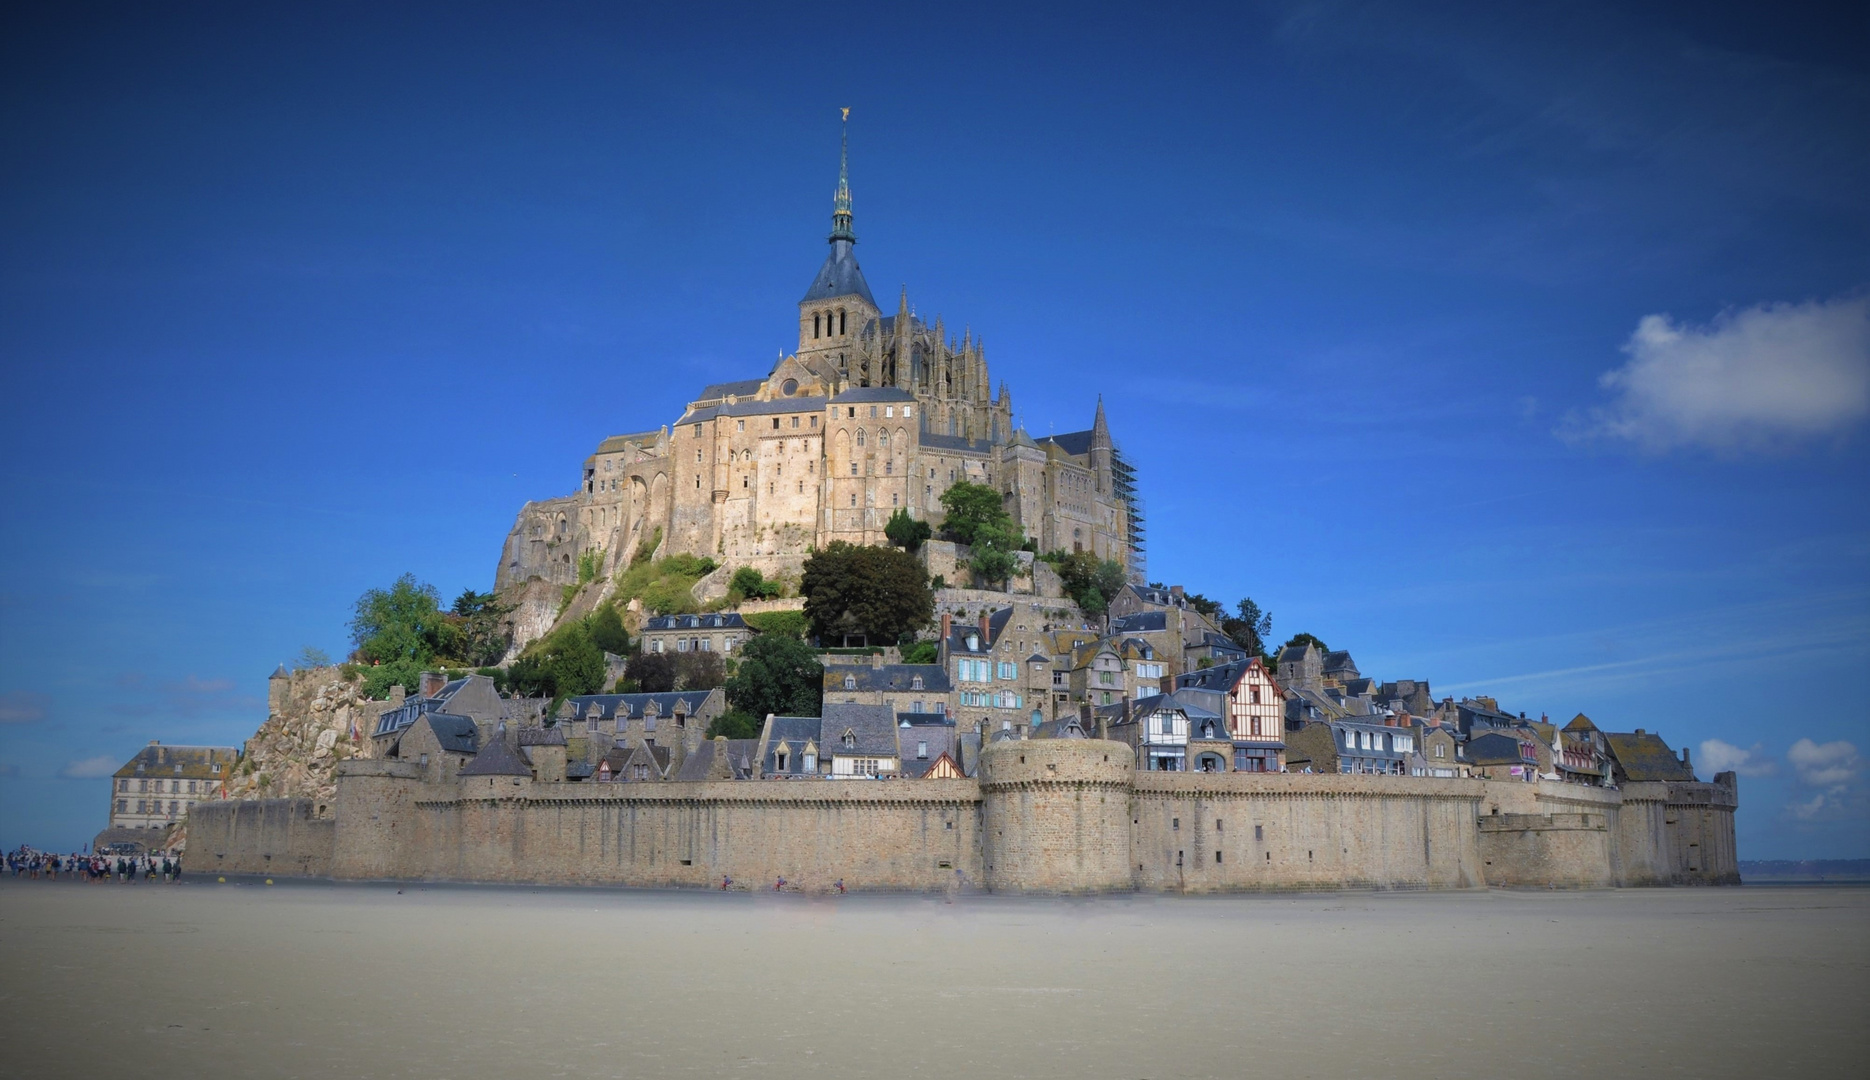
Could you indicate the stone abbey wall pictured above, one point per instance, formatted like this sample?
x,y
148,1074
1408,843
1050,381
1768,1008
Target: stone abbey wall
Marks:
x,y
1048,816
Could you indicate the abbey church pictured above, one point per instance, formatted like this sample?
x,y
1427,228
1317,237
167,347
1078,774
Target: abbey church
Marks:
x,y
872,413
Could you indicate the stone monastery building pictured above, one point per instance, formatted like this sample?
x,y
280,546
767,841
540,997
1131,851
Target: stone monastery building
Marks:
x,y
872,413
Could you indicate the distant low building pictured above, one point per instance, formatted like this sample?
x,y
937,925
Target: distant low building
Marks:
x,y
720,632
154,789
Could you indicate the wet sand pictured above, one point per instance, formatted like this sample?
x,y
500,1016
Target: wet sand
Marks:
x,y
317,980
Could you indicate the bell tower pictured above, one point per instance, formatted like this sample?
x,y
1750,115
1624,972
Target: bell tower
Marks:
x,y
838,305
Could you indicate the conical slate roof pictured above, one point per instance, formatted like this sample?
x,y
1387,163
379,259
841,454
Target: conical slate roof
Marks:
x,y
839,276
496,759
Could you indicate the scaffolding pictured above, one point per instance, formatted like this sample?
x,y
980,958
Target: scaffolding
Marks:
x,y
1123,485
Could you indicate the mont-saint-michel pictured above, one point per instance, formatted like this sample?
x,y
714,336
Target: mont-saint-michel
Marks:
x,y
848,625
1274,540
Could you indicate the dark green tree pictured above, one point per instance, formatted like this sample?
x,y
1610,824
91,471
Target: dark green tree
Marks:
x,y
906,532
574,661
1090,581
991,555
750,584
699,671
878,592
970,506
1249,626
736,724
653,672
1211,608
607,632
776,674
1300,639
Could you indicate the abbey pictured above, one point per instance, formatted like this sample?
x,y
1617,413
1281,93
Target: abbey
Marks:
x,y
871,414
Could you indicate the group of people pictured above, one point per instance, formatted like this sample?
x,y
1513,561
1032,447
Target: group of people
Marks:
x,y
27,863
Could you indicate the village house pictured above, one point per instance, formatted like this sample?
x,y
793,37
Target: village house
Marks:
x,y
996,687
1503,754
905,688
1350,746
720,632
1254,706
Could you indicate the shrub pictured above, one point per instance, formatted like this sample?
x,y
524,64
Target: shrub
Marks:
x,y
785,623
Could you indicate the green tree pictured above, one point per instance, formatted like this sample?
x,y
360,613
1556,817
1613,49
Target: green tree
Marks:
x,y
906,532
699,671
792,623
482,634
776,674
1090,581
1300,639
398,632
606,629
1249,626
969,506
573,660
991,555
1212,609
736,724
878,592
922,652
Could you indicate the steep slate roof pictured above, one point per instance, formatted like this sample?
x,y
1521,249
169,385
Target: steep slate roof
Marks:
x,y
612,706
695,415
1494,748
996,624
719,390
958,443
496,759
1143,706
456,734
542,736
1292,654
793,732
858,395
1580,722
839,276
730,620
1075,443
1643,756
1142,622
873,727
888,677
740,755
187,762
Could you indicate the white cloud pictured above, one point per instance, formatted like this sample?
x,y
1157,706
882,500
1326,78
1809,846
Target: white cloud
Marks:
x,y
1719,757
90,768
1826,765
1832,767
1758,379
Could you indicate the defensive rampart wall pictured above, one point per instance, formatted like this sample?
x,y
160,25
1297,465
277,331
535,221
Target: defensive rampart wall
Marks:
x,y
281,837
1052,816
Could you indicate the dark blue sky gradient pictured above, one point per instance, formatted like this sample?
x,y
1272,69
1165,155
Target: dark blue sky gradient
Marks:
x,y
295,302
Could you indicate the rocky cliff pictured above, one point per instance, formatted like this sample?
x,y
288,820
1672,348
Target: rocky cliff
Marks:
x,y
318,718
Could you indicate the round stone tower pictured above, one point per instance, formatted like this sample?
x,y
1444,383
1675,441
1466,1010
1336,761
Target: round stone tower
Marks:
x,y
1056,815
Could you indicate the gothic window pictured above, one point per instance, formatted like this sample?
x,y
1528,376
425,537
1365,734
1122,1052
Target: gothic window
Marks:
x,y
815,325
860,436
840,321
883,438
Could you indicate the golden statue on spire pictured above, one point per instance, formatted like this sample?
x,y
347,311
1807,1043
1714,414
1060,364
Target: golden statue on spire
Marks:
x,y
847,113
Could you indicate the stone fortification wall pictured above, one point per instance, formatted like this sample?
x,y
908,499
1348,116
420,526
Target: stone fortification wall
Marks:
x,y
1057,815
280,837
1222,832
1053,816
872,835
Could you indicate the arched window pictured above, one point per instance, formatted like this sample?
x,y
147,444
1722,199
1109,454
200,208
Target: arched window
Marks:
x,y
860,436
815,324
840,320
883,437
850,682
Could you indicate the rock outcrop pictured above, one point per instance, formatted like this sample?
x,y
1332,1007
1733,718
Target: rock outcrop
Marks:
x,y
318,718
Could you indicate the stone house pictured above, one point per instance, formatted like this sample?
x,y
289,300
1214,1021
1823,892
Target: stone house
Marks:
x,y
440,743
1439,750
788,748
923,739
1642,757
155,788
1503,754
1581,754
1350,746
860,740
720,632
995,686
1182,636
905,688
666,718
722,758
473,696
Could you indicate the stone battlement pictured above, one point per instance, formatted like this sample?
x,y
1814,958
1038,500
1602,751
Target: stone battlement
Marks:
x,y
1046,815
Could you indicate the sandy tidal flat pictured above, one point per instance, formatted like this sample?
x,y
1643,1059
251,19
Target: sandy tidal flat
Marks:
x,y
243,980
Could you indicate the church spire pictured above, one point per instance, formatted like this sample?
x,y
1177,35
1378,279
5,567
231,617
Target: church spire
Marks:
x,y
841,203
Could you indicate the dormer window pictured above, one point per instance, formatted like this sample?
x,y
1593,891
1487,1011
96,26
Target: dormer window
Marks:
x,y
850,682
915,683
850,739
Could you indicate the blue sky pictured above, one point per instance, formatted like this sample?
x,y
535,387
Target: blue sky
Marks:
x,y
1520,348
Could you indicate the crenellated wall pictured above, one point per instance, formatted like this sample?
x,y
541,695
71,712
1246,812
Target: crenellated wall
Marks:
x,y
1049,816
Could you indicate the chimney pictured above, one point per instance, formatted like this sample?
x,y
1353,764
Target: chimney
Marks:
x,y
1639,732
947,624
1685,762
1175,594
431,683
984,637
876,660
1103,727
